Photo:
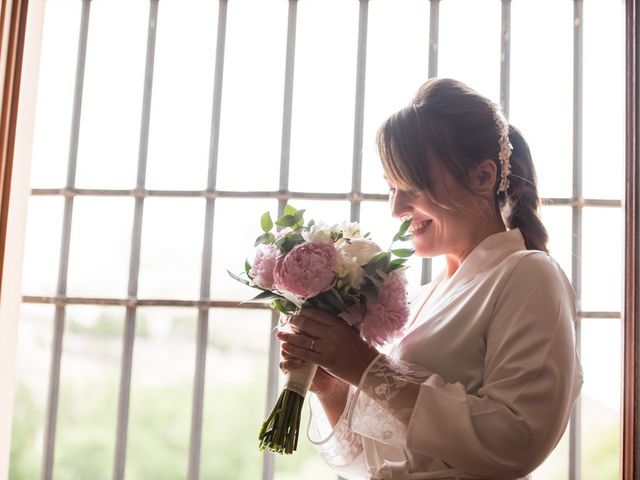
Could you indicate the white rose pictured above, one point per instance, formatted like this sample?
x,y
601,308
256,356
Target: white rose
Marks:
x,y
361,249
349,271
349,229
318,233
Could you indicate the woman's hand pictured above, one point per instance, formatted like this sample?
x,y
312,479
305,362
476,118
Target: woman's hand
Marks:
x,y
324,385
320,338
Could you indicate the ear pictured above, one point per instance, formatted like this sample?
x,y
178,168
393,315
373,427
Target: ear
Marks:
x,y
482,177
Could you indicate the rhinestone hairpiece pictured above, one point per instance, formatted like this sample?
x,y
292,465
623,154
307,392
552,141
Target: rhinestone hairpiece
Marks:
x,y
505,150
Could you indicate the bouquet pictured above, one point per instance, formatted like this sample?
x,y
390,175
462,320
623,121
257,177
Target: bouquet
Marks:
x,y
331,268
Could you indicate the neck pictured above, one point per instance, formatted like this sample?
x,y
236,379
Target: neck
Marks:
x,y
484,230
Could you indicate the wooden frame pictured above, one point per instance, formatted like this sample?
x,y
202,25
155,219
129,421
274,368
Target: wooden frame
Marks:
x,y
630,441
13,19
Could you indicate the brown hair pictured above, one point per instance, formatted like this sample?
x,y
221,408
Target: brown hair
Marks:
x,y
450,124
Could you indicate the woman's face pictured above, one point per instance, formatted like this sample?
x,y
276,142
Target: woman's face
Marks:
x,y
438,230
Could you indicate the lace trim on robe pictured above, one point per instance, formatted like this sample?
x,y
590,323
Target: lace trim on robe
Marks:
x,y
384,402
338,446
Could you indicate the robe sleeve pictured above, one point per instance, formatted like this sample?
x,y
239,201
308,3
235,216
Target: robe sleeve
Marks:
x,y
532,377
339,446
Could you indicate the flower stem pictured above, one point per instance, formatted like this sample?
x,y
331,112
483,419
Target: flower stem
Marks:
x,y
280,431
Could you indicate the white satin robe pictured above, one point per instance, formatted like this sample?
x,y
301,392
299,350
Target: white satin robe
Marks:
x,y
489,358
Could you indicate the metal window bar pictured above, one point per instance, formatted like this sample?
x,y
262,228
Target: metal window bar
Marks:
x,y
505,56
434,21
58,333
195,442
152,302
269,459
358,127
283,195
576,211
134,260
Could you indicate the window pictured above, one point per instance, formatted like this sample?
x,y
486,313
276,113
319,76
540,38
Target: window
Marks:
x,y
200,115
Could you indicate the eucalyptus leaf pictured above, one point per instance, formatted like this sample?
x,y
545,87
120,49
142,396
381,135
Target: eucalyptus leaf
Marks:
x,y
397,263
404,226
403,252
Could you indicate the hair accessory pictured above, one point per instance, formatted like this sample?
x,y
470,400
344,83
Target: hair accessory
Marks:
x,y
505,149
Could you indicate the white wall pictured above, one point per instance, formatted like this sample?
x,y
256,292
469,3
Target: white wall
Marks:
x,y
10,294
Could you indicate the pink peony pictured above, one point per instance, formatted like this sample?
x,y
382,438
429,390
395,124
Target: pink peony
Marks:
x,y
263,264
385,318
307,270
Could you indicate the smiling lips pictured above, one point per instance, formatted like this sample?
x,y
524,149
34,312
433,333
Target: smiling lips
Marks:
x,y
418,228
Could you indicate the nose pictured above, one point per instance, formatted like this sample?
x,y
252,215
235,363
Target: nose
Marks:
x,y
400,204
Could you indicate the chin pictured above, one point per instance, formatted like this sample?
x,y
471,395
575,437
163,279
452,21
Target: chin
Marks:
x,y
425,252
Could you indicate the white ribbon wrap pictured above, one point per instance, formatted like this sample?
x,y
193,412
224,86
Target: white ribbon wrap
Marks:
x,y
299,380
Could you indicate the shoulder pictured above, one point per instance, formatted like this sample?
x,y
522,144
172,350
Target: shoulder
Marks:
x,y
535,276
534,266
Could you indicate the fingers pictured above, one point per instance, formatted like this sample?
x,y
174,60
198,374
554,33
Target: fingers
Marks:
x,y
290,364
312,322
301,353
305,342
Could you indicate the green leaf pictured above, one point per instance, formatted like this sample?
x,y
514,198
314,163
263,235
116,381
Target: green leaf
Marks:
x,y
377,283
289,210
325,305
260,239
286,221
371,292
269,238
378,261
283,306
405,238
397,263
382,274
341,305
264,296
238,278
403,252
266,238
299,215
265,222
247,266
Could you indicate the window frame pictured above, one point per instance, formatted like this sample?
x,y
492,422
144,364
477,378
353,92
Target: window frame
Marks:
x,y
13,17
20,40
631,314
